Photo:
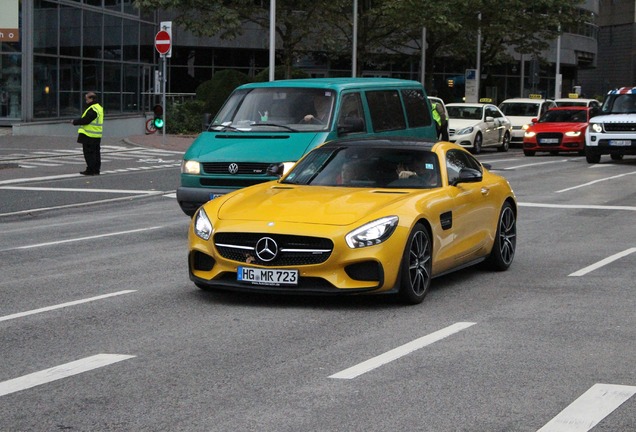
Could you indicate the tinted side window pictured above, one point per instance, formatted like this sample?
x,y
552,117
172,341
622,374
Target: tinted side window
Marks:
x,y
416,108
456,160
350,109
386,111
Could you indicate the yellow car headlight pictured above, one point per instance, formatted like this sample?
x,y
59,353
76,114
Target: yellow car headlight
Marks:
x,y
202,226
372,233
190,167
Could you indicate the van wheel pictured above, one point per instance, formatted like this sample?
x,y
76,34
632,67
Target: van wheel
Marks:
x,y
615,156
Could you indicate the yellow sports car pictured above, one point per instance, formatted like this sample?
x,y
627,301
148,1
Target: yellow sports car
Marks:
x,y
357,216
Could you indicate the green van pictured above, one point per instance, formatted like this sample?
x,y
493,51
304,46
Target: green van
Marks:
x,y
263,128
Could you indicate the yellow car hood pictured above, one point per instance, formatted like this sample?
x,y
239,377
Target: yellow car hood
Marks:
x,y
307,204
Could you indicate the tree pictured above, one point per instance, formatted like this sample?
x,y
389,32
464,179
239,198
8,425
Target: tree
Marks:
x,y
226,19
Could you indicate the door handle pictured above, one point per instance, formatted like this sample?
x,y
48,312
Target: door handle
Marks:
x,y
485,191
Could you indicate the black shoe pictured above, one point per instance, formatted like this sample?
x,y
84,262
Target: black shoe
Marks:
x,y
85,173
89,173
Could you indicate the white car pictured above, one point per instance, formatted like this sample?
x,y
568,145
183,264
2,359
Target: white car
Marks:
x,y
477,125
521,111
592,103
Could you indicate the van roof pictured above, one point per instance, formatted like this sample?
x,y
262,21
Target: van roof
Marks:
x,y
335,83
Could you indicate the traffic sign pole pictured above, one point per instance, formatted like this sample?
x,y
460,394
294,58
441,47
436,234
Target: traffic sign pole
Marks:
x,y
163,45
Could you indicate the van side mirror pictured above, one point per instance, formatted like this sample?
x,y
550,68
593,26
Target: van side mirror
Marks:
x,y
351,124
468,175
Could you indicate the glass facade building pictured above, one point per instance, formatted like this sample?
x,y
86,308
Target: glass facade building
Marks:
x,y
67,48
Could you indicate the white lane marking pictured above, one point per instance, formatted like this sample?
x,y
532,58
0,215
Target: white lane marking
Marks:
x,y
400,351
82,204
590,408
81,239
63,305
603,262
536,164
595,181
116,191
58,372
578,206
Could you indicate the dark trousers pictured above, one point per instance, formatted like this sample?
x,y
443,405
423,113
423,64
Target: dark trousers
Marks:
x,y
92,156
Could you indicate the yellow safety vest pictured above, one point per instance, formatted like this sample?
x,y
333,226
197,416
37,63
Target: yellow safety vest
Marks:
x,y
94,129
436,115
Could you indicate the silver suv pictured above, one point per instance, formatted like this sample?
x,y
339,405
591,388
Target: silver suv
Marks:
x,y
613,131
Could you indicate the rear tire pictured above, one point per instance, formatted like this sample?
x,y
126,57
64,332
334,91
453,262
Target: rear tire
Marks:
x,y
503,249
505,144
477,144
416,267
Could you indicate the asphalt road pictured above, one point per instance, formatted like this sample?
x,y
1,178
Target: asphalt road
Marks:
x,y
101,329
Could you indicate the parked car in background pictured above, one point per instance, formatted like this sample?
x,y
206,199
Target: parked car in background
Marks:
x,y
267,124
591,103
613,131
521,111
357,216
478,125
560,129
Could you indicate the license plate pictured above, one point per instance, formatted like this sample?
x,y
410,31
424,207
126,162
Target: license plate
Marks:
x,y
272,277
213,195
549,141
620,143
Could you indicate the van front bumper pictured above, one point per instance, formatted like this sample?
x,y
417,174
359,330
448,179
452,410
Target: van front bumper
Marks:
x,y
191,198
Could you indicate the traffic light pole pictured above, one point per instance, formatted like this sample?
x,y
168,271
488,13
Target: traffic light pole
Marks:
x,y
164,80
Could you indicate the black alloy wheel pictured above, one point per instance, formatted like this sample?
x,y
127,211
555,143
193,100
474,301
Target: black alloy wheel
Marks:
x,y
417,265
503,250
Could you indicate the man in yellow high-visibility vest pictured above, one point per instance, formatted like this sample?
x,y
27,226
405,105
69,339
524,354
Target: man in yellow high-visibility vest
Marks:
x,y
90,133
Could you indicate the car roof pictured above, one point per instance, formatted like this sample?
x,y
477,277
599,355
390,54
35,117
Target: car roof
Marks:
x,y
570,108
395,141
574,100
623,90
335,83
468,104
526,100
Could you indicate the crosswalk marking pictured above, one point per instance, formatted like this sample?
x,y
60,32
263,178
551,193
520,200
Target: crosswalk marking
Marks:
x,y
590,408
59,372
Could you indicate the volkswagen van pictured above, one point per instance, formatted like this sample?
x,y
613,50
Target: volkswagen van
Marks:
x,y
264,128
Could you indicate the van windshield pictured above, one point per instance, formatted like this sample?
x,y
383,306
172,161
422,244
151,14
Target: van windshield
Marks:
x,y
289,109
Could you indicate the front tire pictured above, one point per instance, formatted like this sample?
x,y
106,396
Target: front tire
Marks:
x,y
529,152
592,158
503,249
616,156
417,266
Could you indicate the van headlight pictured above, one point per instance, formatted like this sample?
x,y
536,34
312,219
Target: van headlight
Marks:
x,y
372,233
202,226
190,167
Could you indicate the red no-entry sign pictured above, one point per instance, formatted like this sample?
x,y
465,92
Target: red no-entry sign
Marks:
x,y
162,42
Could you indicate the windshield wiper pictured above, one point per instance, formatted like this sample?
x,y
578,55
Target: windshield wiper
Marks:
x,y
220,128
276,125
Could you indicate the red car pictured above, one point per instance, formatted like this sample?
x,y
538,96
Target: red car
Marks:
x,y
560,129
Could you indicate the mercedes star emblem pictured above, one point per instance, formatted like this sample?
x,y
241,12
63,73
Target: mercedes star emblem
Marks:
x,y
266,249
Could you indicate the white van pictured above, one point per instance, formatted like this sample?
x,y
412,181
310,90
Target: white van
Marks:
x,y
521,111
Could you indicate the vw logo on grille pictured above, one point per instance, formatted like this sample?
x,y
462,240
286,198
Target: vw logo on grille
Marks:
x,y
233,168
266,249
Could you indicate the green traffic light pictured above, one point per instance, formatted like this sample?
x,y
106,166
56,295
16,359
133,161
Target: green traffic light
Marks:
x,y
158,123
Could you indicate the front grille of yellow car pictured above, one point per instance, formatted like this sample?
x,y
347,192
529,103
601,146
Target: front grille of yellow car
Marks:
x,y
292,250
253,168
